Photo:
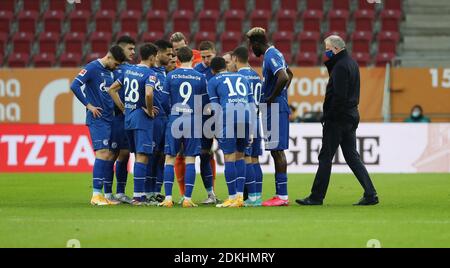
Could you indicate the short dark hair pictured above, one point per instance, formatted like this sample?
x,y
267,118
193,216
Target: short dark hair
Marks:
x,y
185,54
241,53
147,50
218,64
207,45
118,53
163,45
125,39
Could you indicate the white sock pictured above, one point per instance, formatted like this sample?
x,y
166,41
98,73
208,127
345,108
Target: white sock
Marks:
x,y
119,195
108,196
169,197
283,197
232,196
240,194
96,193
187,198
138,194
252,197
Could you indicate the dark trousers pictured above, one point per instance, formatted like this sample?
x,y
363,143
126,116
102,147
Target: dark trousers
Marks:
x,y
343,134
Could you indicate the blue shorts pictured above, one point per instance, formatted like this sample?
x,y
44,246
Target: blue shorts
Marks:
x,y
159,133
277,136
119,139
100,131
187,146
232,145
141,141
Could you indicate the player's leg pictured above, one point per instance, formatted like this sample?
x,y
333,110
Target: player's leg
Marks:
x,y
240,176
258,178
206,171
171,148
250,182
122,175
180,169
191,150
143,143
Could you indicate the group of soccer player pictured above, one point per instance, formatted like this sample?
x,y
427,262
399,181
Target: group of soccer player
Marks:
x,y
169,108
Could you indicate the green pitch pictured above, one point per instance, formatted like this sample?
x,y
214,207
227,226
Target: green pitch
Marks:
x,y
46,210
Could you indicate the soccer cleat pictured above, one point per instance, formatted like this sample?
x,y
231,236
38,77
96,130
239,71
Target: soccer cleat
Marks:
x,y
159,197
124,199
99,200
238,203
166,203
112,201
180,202
227,203
138,201
187,203
212,199
151,201
256,203
275,202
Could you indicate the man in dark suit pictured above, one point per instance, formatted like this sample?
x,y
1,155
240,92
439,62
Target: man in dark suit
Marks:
x,y
340,121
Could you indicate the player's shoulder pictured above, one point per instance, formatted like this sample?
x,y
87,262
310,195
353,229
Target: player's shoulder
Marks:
x,y
199,67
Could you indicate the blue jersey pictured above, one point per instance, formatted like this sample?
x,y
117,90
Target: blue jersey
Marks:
x,y
255,83
97,79
134,79
203,69
117,74
274,62
182,85
160,98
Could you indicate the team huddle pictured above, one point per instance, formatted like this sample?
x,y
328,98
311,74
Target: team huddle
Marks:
x,y
169,108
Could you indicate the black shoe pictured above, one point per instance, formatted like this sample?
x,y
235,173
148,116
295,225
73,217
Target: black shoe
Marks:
x,y
159,197
309,202
367,201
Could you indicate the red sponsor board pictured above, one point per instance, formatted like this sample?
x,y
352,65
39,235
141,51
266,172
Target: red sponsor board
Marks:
x,y
45,148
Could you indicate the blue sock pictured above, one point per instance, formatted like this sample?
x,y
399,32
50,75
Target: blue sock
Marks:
x,y
109,175
98,175
258,178
140,171
240,175
230,177
159,180
121,175
281,180
189,180
149,180
169,175
206,171
250,180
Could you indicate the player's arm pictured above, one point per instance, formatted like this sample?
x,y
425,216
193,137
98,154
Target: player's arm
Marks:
x,y
213,97
150,86
77,83
166,101
114,93
291,75
282,81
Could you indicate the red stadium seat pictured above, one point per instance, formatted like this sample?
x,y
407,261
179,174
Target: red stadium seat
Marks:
x,y
84,5
92,57
363,59
312,20
48,42
207,20
233,20
8,5
364,4
53,21
289,5
286,20
57,5
361,42
79,21
364,20
44,60
32,5
390,20
255,61
104,21
156,21
160,5
314,4
238,5
22,42
18,60
135,5
3,42
338,20
28,21
74,42
182,20
109,5
130,21
205,36
188,5
283,41
100,42
70,60
152,36
309,41
212,5
264,5
260,18
306,59
393,4
383,58
6,18
341,4
387,42
230,40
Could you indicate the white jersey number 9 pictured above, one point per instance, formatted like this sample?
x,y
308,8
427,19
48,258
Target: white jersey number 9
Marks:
x,y
185,91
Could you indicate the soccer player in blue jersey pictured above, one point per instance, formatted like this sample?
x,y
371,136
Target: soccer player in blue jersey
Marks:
x,y
254,176
138,82
97,77
207,163
276,81
119,139
155,170
186,91
230,94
